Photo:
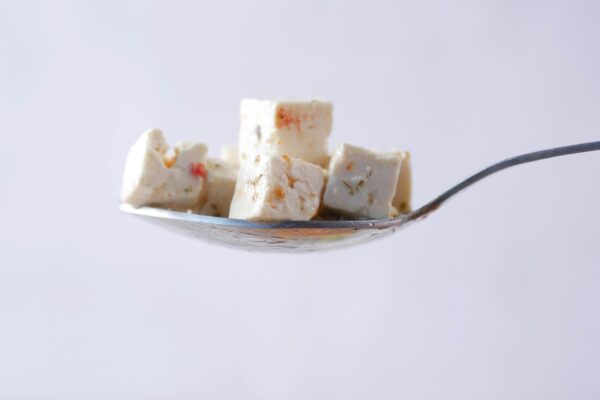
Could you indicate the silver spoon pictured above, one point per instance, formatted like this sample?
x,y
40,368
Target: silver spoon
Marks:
x,y
304,236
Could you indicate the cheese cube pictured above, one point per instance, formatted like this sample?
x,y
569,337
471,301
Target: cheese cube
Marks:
x,y
276,188
404,186
299,129
156,177
220,185
230,154
362,183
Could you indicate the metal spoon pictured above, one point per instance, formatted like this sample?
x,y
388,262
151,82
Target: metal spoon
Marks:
x,y
304,236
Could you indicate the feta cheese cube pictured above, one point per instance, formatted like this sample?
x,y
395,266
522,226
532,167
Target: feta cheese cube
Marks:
x,y
299,129
404,187
276,188
156,177
230,154
362,183
220,185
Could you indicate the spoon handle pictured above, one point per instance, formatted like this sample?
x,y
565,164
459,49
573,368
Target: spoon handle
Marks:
x,y
499,166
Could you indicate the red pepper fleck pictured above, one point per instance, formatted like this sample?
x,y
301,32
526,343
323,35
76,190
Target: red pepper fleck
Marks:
x,y
285,119
198,169
279,192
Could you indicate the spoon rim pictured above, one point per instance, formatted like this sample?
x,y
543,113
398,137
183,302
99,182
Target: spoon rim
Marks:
x,y
241,223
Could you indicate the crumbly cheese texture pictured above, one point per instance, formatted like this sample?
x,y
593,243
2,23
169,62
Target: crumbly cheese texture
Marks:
x,y
277,188
402,197
362,183
299,129
220,185
155,176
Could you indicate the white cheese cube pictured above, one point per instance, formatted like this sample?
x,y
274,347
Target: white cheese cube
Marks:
x,y
299,129
404,186
274,188
220,185
156,177
361,183
230,154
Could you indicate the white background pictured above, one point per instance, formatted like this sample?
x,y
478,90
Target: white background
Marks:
x,y
494,297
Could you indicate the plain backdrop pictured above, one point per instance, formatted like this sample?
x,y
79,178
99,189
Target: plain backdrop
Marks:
x,y
494,297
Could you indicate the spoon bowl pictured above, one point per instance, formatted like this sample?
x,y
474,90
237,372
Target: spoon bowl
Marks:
x,y
287,236
305,236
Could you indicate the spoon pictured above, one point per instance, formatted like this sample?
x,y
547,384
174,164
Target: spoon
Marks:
x,y
304,236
